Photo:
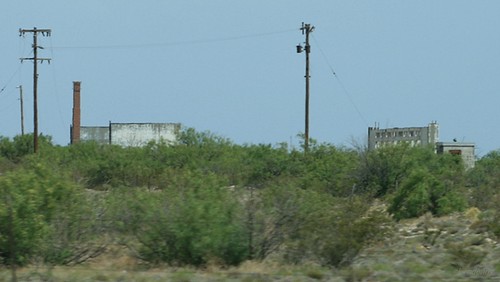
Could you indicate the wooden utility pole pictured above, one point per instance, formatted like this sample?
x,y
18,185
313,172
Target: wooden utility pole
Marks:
x,y
35,59
306,29
22,108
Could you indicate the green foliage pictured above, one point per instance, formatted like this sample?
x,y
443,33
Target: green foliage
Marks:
x,y
484,181
414,180
330,169
193,221
383,170
28,202
423,192
413,199
380,171
351,227
465,256
205,200
274,215
21,146
490,219
75,231
308,225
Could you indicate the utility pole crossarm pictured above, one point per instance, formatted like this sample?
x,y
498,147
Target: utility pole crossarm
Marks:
x,y
43,31
38,59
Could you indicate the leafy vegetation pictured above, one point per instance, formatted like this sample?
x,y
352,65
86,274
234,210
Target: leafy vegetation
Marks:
x,y
206,200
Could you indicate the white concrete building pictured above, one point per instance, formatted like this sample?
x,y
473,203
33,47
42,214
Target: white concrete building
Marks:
x,y
415,136
465,150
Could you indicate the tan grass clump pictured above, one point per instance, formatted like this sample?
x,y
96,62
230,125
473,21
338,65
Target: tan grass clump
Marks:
x,y
472,214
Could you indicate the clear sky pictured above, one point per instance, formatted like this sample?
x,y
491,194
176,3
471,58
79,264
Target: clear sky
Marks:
x,y
231,67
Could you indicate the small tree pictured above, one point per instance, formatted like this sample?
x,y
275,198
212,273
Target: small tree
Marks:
x,y
28,200
191,222
423,192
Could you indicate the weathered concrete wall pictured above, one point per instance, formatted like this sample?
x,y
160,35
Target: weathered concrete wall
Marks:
x,y
99,134
415,136
139,134
465,150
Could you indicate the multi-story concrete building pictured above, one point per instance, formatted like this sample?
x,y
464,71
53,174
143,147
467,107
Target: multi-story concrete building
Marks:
x,y
415,136
421,136
123,134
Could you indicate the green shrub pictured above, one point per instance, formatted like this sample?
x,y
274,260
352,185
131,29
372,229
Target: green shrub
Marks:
x,y
29,200
423,192
192,222
465,256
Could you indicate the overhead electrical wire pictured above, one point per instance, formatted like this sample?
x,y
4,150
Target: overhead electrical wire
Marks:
x,y
344,89
54,82
17,71
10,80
175,43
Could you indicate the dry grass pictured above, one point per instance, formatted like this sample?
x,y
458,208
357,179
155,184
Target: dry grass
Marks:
x,y
455,252
116,271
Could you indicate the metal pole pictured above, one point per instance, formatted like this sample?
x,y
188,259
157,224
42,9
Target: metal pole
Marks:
x,y
308,50
22,108
35,96
306,29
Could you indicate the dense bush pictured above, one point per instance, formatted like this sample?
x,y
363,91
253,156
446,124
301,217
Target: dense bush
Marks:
x,y
484,182
21,145
423,192
29,201
207,200
193,221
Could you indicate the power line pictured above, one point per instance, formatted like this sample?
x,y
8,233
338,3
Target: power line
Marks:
x,y
344,89
175,43
14,74
10,79
55,85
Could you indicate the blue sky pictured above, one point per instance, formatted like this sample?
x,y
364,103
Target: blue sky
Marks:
x,y
230,67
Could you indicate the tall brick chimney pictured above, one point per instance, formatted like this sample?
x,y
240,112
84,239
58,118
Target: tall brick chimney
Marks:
x,y
75,128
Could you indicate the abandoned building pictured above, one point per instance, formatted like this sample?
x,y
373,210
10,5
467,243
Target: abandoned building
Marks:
x,y
465,150
415,136
421,136
123,134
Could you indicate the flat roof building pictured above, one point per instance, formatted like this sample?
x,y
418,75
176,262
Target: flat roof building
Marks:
x,y
465,150
123,134
415,136
131,134
421,136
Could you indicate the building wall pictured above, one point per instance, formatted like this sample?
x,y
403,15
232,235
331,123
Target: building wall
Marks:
x,y
465,150
99,134
139,134
415,136
130,134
